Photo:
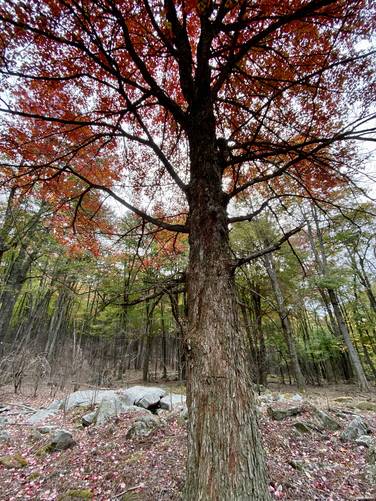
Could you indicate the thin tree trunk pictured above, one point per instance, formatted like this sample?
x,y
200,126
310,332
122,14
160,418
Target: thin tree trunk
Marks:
x,y
164,344
363,276
322,265
181,341
251,341
285,321
7,224
13,286
354,357
260,339
148,340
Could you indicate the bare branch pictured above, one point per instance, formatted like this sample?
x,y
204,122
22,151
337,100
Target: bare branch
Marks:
x,y
267,250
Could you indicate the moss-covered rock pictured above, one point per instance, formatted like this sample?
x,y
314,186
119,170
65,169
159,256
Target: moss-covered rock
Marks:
x,y
327,421
135,457
343,399
73,494
13,461
280,414
34,476
366,406
35,435
302,427
297,464
355,429
60,440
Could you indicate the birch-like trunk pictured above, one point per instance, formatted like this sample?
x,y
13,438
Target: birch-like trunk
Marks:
x,y
285,321
322,266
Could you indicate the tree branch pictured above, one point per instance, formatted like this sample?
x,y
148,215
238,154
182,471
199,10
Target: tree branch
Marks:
x,y
309,9
267,250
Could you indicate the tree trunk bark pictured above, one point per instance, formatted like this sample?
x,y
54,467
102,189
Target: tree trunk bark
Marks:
x,y
164,344
363,276
7,224
261,348
225,455
354,357
148,339
13,287
285,321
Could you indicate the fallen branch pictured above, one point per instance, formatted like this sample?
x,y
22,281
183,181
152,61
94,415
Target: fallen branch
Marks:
x,y
139,486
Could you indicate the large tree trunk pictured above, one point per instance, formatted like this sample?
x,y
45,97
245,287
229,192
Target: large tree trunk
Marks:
x,y
225,455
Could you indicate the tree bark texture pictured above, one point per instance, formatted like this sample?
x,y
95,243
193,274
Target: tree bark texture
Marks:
x,y
225,455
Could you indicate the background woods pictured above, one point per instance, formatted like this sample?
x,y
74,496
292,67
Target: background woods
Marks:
x,y
125,310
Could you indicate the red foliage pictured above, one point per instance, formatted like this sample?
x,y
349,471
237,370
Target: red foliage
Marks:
x,y
103,93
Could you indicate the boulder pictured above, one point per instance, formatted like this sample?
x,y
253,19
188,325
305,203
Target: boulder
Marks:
x,y
86,397
143,426
4,436
173,401
297,398
109,407
150,420
355,429
133,409
265,398
3,420
46,429
88,419
41,415
327,421
111,403
365,440
144,396
55,405
60,440
279,398
283,413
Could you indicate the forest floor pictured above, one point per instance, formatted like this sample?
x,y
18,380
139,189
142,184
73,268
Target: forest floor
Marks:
x,y
105,465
